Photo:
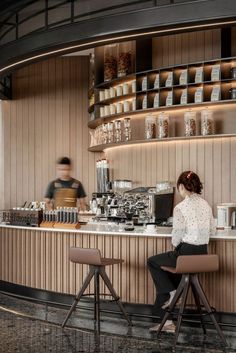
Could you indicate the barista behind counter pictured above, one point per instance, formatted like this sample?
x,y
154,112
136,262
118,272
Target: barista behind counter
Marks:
x,y
65,190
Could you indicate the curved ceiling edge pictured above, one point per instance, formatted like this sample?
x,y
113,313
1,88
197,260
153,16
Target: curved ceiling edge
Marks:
x,y
81,35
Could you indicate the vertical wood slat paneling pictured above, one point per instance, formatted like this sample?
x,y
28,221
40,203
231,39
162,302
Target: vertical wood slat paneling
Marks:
x,y
50,268
213,159
46,119
174,49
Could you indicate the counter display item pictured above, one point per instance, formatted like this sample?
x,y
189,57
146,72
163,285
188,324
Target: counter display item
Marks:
x,y
101,95
104,133
169,80
63,217
125,88
184,97
112,109
107,110
183,78
199,75
215,72
119,90
144,84
112,92
133,86
198,95
107,93
150,127
144,102
156,100
22,216
119,107
169,99
163,125
232,92
233,72
127,129
134,104
207,122
110,62
110,132
117,125
157,81
126,106
190,123
103,175
124,66
215,94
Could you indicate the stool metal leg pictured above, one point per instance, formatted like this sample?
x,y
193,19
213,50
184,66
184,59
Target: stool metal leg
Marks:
x,y
172,304
79,295
113,293
182,306
205,302
198,305
97,299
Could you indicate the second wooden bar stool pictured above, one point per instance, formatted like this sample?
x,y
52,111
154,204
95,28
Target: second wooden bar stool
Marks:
x,y
92,257
190,266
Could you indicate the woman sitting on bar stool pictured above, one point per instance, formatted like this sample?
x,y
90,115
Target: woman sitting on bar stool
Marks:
x,y
193,223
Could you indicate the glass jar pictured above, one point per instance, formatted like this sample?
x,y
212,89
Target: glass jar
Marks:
x,y
207,122
110,132
117,125
127,129
104,133
190,123
163,125
124,66
150,127
110,62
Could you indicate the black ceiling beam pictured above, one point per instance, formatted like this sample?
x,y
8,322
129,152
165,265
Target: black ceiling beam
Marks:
x,y
193,16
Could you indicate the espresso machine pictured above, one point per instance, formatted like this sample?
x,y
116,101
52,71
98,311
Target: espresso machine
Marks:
x,y
226,215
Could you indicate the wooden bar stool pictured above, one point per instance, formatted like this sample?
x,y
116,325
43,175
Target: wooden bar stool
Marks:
x,y
190,266
92,257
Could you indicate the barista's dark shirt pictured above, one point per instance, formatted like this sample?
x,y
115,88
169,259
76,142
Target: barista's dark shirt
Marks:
x,y
58,184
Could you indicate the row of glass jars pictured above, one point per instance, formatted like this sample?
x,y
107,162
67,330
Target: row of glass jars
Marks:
x,y
116,131
159,127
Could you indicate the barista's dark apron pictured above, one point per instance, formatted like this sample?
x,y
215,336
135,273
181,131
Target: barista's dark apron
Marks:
x,y
65,197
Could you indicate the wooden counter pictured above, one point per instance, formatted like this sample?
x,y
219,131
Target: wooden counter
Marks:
x,y
38,258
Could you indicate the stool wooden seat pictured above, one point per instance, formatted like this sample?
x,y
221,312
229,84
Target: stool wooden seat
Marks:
x,y
92,257
190,266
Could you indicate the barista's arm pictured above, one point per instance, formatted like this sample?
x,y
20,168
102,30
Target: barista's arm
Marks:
x,y
82,204
49,204
48,198
81,194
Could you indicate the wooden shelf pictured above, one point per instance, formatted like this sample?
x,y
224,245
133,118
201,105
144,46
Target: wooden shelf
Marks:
x,y
96,122
101,148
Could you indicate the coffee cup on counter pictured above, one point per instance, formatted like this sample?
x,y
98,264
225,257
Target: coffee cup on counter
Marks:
x,y
151,228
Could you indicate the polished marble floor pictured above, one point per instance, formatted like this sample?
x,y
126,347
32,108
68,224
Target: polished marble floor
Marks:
x,y
26,327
